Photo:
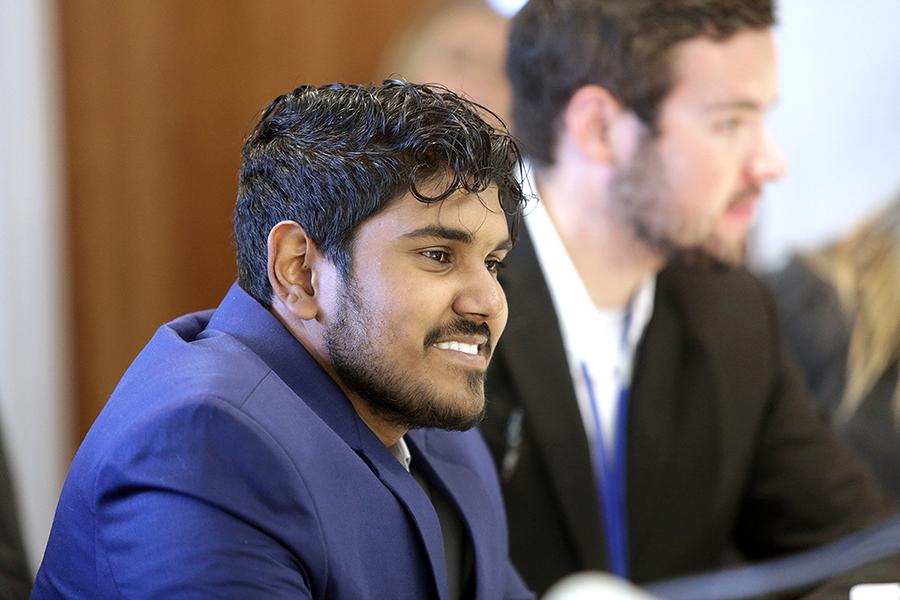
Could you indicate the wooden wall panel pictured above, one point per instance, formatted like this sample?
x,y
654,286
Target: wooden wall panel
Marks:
x,y
158,95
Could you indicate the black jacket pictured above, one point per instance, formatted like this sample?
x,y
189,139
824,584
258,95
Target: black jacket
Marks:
x,y
726,455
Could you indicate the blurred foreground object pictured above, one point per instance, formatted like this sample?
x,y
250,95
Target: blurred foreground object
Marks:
x,y
592,585
792,574
875,591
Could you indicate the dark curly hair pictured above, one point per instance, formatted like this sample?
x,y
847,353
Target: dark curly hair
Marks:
x,y
559,46
330,157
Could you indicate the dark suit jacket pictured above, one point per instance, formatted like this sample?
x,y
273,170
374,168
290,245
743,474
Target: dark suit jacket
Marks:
x,y
725,452
15,578
227,464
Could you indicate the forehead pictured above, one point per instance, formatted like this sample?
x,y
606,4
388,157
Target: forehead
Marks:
x,y
741,68
478,215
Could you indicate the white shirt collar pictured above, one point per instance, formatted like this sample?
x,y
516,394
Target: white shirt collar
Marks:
x,y
401,452
570,297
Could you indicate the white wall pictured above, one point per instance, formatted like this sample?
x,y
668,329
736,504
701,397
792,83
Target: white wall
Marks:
x,y
838,121
33,336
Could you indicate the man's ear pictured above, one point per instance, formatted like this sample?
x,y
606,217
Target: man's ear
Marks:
x,y
588,120
291,254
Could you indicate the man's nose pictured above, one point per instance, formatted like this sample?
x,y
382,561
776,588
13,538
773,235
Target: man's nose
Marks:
x,y
481,297
768,163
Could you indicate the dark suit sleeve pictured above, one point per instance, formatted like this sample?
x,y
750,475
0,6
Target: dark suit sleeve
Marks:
x,y
186,508
807,487
15,581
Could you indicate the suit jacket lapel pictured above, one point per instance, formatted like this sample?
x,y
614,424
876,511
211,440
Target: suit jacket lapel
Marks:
x,y
534,354
335,409
652,405
419,506
467,492
339,414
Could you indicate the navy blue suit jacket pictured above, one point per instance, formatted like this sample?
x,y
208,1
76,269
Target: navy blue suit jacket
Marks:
x,y
228,464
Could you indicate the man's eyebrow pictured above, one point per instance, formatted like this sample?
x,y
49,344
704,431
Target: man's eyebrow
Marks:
x,y
438,231
448,233
506,245
745,105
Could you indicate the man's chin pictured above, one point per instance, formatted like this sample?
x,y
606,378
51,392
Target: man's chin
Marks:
x,y
710,253
457,413
459,423
447,411
727,247
730,252
448,422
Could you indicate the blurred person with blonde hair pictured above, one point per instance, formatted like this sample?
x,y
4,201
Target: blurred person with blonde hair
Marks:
x,y
841,311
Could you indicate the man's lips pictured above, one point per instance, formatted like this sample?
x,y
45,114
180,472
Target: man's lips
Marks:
x,y
463,337
744,206
470,346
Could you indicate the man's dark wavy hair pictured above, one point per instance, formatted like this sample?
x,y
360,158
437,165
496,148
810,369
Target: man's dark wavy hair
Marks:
x,y
330,157
559,46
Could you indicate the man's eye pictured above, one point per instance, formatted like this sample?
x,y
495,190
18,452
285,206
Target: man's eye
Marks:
x,y
729,125
441,256
493,265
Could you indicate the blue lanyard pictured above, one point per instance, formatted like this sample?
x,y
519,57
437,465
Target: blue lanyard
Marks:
x,y
610,471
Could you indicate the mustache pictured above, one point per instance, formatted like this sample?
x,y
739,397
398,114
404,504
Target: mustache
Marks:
x,y
749,192
460,327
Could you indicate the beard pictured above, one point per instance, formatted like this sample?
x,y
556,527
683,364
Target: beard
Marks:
x,y
395,394
642,201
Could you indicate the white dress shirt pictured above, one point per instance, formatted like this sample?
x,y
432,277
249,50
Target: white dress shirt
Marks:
x,y
592,337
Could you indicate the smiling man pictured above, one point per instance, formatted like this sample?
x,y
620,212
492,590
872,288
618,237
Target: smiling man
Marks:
x,y
307,439
642,414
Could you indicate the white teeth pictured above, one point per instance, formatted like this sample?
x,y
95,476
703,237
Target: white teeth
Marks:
x,y
458,346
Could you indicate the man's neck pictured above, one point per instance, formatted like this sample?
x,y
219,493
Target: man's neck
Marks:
x,y
611,262
387,432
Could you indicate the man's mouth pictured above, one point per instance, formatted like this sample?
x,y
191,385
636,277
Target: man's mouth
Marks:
x,y
467,338
744,205
748,195
458,346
